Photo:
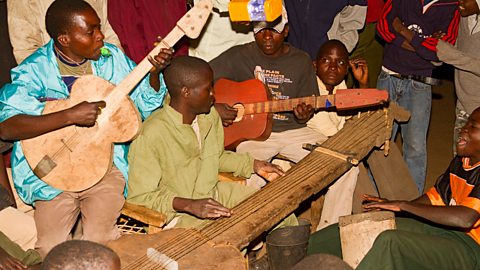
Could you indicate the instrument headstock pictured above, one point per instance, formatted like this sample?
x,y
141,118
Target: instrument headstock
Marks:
x,y
357,98
192,22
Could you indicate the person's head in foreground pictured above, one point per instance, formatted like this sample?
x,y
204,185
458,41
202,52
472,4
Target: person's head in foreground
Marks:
x,y
81,255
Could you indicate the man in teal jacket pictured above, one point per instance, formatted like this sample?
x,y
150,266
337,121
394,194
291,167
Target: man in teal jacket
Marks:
x,y
76,49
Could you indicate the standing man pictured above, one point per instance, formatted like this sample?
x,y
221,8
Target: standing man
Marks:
x,y
411,29
466,60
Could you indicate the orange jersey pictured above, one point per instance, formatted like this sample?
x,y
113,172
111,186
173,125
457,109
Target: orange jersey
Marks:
x,y
459,185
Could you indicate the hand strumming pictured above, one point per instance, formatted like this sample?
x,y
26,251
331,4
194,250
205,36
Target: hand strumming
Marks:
x,y
85,114
227,113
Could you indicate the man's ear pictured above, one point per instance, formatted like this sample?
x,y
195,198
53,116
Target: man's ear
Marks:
x,y
185,92
63,40
314,63
285,31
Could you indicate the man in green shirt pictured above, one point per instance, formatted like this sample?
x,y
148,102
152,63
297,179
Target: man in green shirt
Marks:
x,y
175,161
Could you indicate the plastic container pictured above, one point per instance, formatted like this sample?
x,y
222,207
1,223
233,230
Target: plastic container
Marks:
x,y
254,10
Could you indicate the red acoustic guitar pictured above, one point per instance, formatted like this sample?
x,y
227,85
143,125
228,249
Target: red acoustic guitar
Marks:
x,y
255,108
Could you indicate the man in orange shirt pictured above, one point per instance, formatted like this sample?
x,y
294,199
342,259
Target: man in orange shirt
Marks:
x,y
443,231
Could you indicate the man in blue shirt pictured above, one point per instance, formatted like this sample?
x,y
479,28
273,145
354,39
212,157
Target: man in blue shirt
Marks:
x,y
411,30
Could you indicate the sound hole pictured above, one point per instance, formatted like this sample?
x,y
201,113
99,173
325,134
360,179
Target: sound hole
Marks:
x,y
240,112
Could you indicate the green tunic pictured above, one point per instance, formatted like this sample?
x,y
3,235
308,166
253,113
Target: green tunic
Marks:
x,y
28,258
166,161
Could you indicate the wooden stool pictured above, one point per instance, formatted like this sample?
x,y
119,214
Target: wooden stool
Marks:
x,y
358,232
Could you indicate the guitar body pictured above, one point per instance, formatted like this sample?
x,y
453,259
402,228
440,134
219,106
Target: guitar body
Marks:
x,y
252,126
61,158
132,250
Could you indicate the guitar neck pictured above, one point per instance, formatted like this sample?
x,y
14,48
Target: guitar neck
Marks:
x,y
285,105
139,72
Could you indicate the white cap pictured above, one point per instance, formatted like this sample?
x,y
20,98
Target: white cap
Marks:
x,y
278,25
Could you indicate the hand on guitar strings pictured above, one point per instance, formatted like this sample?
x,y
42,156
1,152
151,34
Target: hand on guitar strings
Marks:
x,y
201,208
226,112
375,203
85,113
267,170
159,62
303,112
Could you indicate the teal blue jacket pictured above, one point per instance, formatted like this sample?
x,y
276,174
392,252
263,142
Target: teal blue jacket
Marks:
x,y
38,78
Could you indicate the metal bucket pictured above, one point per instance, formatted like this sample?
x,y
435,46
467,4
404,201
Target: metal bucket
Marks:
x,y
287,246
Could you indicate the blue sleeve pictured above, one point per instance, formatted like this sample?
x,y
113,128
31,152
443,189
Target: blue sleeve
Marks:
x,y
22,95
144,96
117,67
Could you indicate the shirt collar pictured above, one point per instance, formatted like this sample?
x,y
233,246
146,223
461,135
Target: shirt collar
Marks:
x,y
323,89
176,117
466,164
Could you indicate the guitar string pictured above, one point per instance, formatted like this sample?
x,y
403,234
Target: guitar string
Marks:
x,y
272,106
248,213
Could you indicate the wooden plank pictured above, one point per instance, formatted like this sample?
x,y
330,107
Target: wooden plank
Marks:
x,y
144,214
364,186
316,208
392,176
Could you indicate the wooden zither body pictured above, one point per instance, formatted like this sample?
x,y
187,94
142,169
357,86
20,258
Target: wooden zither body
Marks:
x,y
266,208
75,158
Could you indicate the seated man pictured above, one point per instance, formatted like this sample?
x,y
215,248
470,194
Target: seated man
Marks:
x,y
288,73
175,161
443,232
74,50
332,65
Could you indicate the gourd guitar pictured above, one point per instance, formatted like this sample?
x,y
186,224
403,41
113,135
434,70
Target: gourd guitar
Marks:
x,y
75,158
